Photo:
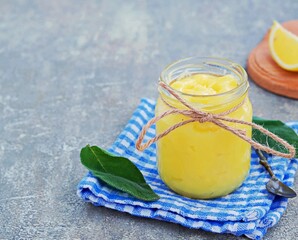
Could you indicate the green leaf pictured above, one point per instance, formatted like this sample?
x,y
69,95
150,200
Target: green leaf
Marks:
x,y
280,129
118,172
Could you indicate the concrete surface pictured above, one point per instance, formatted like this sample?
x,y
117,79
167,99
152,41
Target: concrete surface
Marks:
x,y
72,72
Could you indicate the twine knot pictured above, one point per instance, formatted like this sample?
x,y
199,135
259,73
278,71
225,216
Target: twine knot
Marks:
x,y
208,117
196,115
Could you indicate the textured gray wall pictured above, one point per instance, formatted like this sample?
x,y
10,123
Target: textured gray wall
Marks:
x,y
72,72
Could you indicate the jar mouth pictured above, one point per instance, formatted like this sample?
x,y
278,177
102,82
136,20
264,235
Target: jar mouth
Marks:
x,y
209,65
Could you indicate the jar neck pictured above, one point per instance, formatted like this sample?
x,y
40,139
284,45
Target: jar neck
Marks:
x,y
213,66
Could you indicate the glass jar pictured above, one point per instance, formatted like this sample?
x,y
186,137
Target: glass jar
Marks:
x,y
202,160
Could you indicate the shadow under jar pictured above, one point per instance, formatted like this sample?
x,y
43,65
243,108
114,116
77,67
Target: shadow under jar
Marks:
x,y
203,160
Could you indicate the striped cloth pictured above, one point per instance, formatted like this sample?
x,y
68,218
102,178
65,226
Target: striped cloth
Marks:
x,y
248,211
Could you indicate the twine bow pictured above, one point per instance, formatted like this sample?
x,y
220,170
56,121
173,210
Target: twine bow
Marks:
x,y
196,115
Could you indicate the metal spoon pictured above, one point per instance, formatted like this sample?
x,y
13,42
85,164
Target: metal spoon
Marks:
x,y
274,185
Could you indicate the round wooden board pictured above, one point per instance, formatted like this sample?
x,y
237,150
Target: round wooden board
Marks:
x,y
266,73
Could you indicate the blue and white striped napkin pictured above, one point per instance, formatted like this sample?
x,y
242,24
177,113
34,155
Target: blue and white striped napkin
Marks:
x,y
249,211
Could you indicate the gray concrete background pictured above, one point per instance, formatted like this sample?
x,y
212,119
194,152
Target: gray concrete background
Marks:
x,y
72,72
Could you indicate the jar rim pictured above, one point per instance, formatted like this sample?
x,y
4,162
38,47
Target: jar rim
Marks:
x,y
213,61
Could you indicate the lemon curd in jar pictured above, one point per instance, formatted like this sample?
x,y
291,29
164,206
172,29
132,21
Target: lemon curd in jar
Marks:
x,y
202,160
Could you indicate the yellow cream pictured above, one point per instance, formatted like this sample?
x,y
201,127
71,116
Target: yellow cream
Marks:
x,y
202,160
205,84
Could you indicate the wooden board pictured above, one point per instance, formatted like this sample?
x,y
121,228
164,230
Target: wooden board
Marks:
x,y
266,73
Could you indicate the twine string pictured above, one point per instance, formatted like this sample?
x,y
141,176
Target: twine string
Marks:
x,y
196,115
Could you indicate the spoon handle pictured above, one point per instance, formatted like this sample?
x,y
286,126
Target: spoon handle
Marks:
x,y
264,162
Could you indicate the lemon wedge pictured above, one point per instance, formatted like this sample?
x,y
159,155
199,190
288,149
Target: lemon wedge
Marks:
x,y
284,47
